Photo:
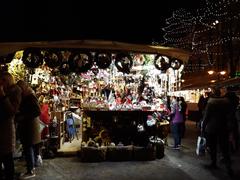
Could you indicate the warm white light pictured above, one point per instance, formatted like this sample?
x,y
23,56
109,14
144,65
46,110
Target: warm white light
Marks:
x,y
183,80
210,72
213,81
223,72
216,22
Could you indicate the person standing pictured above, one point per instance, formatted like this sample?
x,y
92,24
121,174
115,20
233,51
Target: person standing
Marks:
x,y
183,110
45,117
176,122
202,102
10,98
233,124
215,129
29,127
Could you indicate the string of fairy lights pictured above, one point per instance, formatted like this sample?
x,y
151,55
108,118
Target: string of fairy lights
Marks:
x,y
217,24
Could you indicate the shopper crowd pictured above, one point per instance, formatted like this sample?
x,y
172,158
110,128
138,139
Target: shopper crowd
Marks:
x,y
19,116
219,125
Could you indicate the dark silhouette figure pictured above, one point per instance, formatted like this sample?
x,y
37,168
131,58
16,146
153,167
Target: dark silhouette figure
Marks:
x,y
215,128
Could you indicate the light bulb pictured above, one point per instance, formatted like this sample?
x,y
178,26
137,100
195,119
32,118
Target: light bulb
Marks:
x,y
223,72
210,72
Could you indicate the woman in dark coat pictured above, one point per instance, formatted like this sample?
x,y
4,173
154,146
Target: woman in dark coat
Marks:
x,y
29,126
10,97
215,129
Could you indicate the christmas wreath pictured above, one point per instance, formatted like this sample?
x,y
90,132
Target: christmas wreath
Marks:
x,y
52,58
103,60
123,62
80,62
32,58
176,64
161,63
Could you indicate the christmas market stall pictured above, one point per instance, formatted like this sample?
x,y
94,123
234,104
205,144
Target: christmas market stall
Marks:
x,y
108,99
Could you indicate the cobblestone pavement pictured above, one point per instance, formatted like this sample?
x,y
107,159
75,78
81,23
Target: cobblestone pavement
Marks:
x,y
177,164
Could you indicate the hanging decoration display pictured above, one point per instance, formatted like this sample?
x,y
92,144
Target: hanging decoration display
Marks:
x,y
32,58
103,60
52,58
80,62
161,63
123,62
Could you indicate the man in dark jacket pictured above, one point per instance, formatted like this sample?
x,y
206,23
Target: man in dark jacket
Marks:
x,y
215,127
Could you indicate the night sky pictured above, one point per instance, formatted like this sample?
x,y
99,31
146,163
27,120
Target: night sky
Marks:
x,y
135,22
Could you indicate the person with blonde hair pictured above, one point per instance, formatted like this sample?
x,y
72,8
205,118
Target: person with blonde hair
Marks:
x,y
29,127
10,98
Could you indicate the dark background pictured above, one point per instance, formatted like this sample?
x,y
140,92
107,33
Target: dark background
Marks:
x,y
128,21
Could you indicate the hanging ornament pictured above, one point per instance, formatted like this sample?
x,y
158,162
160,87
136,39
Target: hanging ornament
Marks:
x,y
52,58
176,64
103,60
123,62
32,58
80,62
161,63
95,70
138,59
6,59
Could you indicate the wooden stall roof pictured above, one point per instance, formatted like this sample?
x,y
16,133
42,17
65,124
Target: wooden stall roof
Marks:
x,y
10,47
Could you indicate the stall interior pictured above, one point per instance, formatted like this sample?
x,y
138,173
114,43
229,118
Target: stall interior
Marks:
x,y
82,83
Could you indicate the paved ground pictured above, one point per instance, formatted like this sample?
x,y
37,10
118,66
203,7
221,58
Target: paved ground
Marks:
x,y
183,164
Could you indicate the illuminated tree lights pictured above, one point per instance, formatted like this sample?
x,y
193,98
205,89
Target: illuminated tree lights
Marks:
x,y
211,31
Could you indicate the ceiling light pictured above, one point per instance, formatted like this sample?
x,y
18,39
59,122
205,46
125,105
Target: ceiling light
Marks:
x,y
210,72
223,72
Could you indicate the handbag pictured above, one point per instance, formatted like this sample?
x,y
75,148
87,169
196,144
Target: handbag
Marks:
x,y
201,146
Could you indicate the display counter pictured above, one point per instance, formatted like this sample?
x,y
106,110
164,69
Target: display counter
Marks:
x,y
121,126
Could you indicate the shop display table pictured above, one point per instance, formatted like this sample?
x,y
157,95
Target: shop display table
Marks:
x,y
121,125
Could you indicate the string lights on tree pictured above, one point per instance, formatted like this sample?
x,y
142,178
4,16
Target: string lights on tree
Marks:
x,y
179,29
218,31
212,31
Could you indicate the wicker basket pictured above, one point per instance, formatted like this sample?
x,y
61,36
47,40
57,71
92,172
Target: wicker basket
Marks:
x,y
120,153
93,154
